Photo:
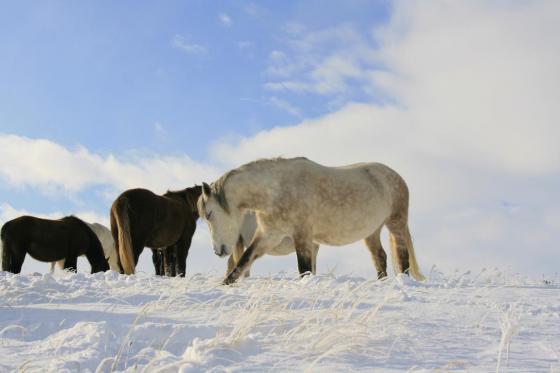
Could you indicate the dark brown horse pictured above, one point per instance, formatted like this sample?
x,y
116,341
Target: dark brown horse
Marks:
x,y
140,218
49,241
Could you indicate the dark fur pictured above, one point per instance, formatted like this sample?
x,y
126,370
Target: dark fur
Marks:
x,y
49,241
164,223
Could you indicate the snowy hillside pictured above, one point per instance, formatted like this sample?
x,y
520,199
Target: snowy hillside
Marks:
x,y
107,321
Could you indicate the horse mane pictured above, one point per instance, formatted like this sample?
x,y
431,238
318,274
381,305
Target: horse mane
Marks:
x,y
73,218
218,186
189,195
82,223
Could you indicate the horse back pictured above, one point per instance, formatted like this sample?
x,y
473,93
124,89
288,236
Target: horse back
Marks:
x,y
156,221
44,239
173,217
35,229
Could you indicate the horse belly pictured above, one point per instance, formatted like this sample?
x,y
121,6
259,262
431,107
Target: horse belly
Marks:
x,y
46,254
344,230
162,240
285,247
349,206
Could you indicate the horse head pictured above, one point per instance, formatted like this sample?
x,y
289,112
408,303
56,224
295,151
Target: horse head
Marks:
x,y
223,222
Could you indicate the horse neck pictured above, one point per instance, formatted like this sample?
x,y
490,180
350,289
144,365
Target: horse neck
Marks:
x,y
95,253
192,209
192,195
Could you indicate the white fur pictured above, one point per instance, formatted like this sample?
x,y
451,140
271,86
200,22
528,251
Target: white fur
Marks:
x,y
299,204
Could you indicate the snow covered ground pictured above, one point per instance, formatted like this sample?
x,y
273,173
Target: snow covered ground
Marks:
x,y
110,322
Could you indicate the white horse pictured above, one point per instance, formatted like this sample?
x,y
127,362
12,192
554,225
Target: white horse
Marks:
x,y
299,204
106,239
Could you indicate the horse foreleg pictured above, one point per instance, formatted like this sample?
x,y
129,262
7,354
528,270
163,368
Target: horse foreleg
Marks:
x,y
236,256
60,264
71,263
242,265
182,252
158,262
258,248
230,264
170,259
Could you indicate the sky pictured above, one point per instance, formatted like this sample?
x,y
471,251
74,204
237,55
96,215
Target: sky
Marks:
x,y
461,98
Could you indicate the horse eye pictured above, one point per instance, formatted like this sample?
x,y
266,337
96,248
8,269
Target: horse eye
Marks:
x,y
208,215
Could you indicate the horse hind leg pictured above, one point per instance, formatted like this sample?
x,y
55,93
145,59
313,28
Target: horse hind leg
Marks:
x,y
170,261
12,260
404,258
314,258
182,252
306,253
378,255
157,259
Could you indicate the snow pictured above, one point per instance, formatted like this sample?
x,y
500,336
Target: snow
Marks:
x,y
104,322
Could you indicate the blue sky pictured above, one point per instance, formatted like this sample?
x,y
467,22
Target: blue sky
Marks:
x,y
103,74
97,97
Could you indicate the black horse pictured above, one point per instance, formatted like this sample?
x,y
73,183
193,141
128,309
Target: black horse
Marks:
x,y
49,241
140,218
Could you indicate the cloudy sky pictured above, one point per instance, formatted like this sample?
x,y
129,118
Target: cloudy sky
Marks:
x,y
462,98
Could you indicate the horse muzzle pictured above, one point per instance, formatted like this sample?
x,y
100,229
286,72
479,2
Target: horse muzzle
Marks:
x,y
222,251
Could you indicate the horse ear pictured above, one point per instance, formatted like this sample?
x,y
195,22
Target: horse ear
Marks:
x,y
206,190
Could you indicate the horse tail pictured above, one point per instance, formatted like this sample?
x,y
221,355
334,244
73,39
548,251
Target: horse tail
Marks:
x,y
124,243
6,254
413,268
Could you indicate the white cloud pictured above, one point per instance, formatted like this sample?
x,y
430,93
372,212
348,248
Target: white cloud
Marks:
x,y
476,87
225,19
8,212
485,97
322,62
289,86
285,105
47,165
469,74
181,43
